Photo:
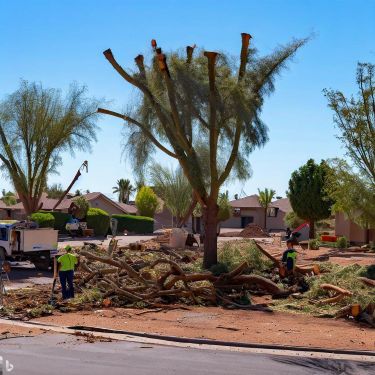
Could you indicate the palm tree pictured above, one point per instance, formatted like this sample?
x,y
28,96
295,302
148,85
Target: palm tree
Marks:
x,y
124,189
265,199
174,189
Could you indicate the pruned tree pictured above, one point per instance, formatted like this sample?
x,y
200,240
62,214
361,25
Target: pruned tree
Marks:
x,y
201,99
308,195
265,199
36,126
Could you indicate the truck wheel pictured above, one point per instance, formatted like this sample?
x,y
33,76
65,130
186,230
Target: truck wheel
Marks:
x,y
2,253
42,262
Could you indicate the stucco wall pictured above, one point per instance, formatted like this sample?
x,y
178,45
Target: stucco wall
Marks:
x,y
103,204
352,231
276,223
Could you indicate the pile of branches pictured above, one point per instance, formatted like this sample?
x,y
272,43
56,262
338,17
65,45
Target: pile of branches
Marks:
x,y
164,280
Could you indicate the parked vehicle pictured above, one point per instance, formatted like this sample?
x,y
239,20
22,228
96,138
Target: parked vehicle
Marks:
x,y
21,240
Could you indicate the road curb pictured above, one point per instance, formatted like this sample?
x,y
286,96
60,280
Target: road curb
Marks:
x,y
205,344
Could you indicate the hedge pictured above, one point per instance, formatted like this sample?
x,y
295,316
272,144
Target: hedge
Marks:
x,y
136,224
61,218
44,220
98,220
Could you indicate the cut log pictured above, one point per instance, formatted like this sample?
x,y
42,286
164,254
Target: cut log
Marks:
x,y
367,281
336,289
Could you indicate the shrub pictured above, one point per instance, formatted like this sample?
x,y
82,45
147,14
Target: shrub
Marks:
x,y
342,243
314,244
61,218
291,220
44,220
98,220
136,224
146,201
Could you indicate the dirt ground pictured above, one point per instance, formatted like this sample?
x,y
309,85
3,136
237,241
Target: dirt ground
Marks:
x,y
219,324
229,325
8,331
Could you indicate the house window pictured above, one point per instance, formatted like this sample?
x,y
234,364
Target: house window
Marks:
x,y
236,211
272,211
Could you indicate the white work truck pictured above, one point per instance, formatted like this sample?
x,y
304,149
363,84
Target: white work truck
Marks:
x,y
20,240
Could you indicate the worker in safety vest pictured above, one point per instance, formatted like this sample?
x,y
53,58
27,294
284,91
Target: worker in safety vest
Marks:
x,y
289,258
65,265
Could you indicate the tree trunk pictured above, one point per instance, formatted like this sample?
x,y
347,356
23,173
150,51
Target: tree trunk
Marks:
x,y
210,234
312,229
265,219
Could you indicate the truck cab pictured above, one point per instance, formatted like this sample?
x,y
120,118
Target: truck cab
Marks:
x,y
20,240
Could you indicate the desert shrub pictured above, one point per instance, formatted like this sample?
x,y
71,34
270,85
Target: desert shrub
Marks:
x,y
146,201
314,244
98,220
44,220
342,243
136,224
61,218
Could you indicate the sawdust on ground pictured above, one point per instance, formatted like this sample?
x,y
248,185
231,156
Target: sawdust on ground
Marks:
x,y
228,325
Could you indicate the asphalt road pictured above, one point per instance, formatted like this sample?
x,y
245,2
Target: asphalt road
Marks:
x,y
63,354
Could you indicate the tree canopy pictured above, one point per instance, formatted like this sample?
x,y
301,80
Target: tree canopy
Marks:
x,y
192,100
124,189
307,193
352,184
54,191
146,201
36,126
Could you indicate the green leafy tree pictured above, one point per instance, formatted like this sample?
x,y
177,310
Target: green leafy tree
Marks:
x,y
174,189
352,187
352,193
54,191
124,189
265,199
292,220
8,198
36,126
355,119
225,209
82,207
146,201
307,193
201,99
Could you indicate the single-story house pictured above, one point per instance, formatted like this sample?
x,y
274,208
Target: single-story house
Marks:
x,y
96,200
353,232
248,210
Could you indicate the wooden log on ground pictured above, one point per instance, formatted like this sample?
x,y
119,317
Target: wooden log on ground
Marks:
x,y
336,289
367,281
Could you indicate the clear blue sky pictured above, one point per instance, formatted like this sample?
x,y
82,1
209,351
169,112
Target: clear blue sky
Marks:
x,y
57,42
